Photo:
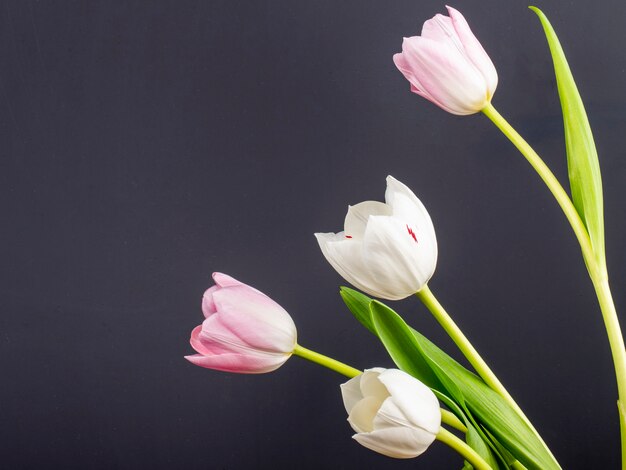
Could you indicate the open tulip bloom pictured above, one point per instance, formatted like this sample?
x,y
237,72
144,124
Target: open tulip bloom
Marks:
x,y
388,250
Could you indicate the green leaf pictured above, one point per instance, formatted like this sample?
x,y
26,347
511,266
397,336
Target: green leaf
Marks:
x,y
582,157
398,342
476,442
467,389
492,411
359,305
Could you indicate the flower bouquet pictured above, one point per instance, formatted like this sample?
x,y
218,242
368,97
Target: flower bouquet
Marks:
x,y
387,251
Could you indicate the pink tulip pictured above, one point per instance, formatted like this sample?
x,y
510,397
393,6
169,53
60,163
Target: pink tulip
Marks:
x,y
244,331
448,66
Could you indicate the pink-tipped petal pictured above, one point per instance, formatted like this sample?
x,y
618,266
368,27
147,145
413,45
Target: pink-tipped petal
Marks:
x,y
224,280
454,83
254,319
440,29
403,66
240,363
474,50
208,306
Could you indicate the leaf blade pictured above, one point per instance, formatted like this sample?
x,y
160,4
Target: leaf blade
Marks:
x,y
582,156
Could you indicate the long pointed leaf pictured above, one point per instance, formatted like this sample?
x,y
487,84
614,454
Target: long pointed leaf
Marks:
x,y
582,157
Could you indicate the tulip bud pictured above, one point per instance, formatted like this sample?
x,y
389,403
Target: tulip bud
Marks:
x,y
392,412
388,250
244,331
448,66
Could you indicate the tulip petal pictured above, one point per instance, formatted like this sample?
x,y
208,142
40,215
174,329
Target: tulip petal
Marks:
x,y
446,74
398,257
351,392
411,399
361,418
252,318
404,203
474,50
204,347
224,280
346,256
371,386
416,87
440,28
357,216
398,442
240,363
208,306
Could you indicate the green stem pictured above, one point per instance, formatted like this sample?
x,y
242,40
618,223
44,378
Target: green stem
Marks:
x,y
462,448
444,319
326,361
597,273
616,341
553,184
451,420
481,367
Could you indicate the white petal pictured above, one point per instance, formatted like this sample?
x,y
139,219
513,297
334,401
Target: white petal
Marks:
x,y
405,204
411,404
399,443
357,216
371,386
346,256
361,417
351,392
400,260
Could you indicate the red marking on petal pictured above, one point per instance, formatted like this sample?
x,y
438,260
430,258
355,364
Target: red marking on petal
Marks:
x,y
348,236
410,230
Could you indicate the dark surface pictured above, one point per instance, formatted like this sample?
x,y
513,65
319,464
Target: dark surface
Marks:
x,y
146,144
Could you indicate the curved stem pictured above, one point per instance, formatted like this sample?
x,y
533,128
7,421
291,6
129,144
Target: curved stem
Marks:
x,y
326,361
462,448
455,333
597,271
449,418
618,351
553,184
481,367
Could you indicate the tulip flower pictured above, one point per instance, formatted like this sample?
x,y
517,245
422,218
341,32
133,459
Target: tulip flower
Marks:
x,y
392,412
244,330
448,66
388,250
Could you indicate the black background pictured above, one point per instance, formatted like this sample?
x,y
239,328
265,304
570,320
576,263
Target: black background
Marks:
x,y
146,144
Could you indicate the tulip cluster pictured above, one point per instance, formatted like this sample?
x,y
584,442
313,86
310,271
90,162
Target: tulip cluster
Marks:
x,y
389,251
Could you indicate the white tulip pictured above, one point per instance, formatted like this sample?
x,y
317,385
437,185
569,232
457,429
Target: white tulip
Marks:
x,y
392,412
388,250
